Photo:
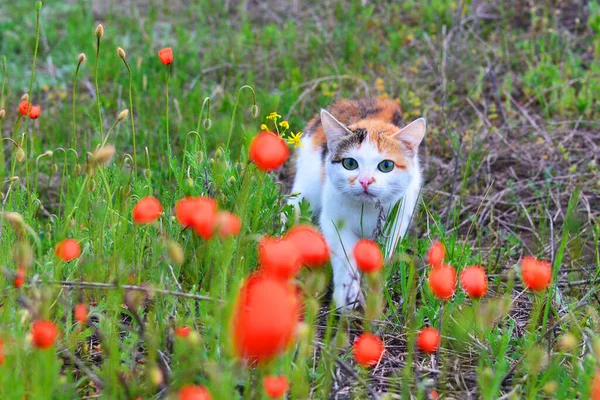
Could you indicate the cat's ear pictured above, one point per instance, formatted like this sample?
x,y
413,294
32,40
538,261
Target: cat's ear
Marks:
x,y
412,134
334,129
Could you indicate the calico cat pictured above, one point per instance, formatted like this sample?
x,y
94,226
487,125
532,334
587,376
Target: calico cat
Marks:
x,y
356,163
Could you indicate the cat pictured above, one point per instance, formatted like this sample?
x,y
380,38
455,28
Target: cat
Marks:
x,y
355,164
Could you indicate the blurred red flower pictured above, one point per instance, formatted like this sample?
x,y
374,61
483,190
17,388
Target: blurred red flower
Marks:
x,y
147,210
43,334
537,274
428,340
367,350
368,256
35,112
474,281
24,107
442,281
68,249
228,224
193,392
265,318
81,313
275,386
183,331
268,151
166,55
19,278
310,243
436,254
278,258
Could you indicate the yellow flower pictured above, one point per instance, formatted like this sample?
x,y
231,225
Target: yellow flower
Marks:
x,y
295,139
273,116
284,125
263,127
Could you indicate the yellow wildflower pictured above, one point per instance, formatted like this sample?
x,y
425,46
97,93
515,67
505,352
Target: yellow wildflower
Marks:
x,y
295,139
263,127
284,125
273,116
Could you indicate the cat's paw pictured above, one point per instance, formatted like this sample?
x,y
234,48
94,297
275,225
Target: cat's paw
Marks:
x,y
348,296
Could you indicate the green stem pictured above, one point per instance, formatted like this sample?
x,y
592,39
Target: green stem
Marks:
x,y
167,111
3,81
108,133
237,100
96,83
131,111
73,107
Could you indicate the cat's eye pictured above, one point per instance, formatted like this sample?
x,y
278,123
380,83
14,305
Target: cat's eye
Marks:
x,y
386,166
349,163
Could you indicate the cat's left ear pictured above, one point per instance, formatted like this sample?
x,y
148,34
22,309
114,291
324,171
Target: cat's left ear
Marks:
x,y
412,134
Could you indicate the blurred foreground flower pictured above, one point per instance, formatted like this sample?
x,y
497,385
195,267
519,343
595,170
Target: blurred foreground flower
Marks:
x,y
228,224
278,258
265,318
436,254
147,210
68,249
537,274
428,340
275,386
43,334
24,107
81,313
474,281
183,331
192,392
310,243
35,112
442,281
367,350
268,151
368,256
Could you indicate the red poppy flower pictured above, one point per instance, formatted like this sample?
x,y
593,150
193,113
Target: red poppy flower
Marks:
x,y
24,107
368,256
595,386
436,254
474,281
43,334
268,151
275,386
228,224
265,318
278,258
2,355
537,274
19,278
166,55
433,395
442,281
192,392
428,340
367,350
68,249
188,208
147,210
81,313
183,331
310,243
35,112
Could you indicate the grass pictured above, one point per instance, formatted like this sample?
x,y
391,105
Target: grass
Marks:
x,y
511,95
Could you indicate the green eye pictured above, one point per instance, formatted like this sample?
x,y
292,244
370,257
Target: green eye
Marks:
x,y
386,166
349,163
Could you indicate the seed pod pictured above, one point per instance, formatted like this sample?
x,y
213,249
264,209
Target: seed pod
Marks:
x,y
99,32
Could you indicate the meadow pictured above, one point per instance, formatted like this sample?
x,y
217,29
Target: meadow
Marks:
x,y
111,286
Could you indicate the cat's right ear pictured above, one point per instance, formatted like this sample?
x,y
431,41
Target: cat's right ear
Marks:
x,y
334,129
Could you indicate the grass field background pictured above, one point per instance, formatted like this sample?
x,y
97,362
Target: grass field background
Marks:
x,y
511,93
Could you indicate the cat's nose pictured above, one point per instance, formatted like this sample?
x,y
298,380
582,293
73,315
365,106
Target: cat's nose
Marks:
x,y
365,181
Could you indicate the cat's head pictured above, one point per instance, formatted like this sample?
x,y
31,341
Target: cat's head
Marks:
x,y
372,160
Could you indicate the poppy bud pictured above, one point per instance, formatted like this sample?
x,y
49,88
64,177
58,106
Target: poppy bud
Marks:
x,y
25,97
99,32
122,115
81,58
254,110
121,53
207,123
175,252
38,5
15,220
104,154
20,154
54,168
2,114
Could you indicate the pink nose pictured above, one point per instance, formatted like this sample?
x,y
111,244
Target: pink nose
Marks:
x,y
366,181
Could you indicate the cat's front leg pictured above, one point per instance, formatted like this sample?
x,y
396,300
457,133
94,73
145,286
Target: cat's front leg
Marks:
x,y
347,293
